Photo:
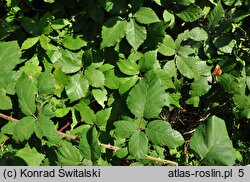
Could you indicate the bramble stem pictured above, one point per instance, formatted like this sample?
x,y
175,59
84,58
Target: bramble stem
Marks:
x,y
108,146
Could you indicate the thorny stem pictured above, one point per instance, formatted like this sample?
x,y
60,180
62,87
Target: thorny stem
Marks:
x,y
107,146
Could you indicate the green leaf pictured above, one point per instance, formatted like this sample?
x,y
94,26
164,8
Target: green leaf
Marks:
x,y
44,127
172,99
225,44
190,67
87,114
8,82
26,90
29,42
45,43
212,144
10,55
138,145
100,96
128,67
185,2
165,78
170,67
111,80
169,17
5,101
77,87
146,98
95,77
32,67
113,31
126,83
89,144
46,83
161,133
70,62
200,86
61,112
198,34
231,84
30,26
114,6
215,16
135,34
167,47
149,61
191,13
102,117
73,42
193,101
146,16
69,155
24,129
124,129
60,24
30,156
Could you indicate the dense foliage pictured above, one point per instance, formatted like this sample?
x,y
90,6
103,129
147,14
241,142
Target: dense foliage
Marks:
x,y
124,82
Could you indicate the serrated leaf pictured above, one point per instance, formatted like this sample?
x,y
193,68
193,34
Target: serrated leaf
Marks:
x,y
44,127
100,96
215,16
95,77
45,43
26,90
102,117
198,34
146,15
32,67
60,24
170,67
191,13
169,17
231,84
165,78
24,128
113,31
212,144
10,55
146,98
77,87
225,44
87,114
190,67
149,61
70,62
128,67
161,133
29,42
200,86
167,47
61,112
68,154
138,145
89,144
172,99
46,83
8,82
124,129
111,80
30,156
5,101
135,34
73,42
126,83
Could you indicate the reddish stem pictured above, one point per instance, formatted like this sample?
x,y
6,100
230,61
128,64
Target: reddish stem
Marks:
x,y
65,126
